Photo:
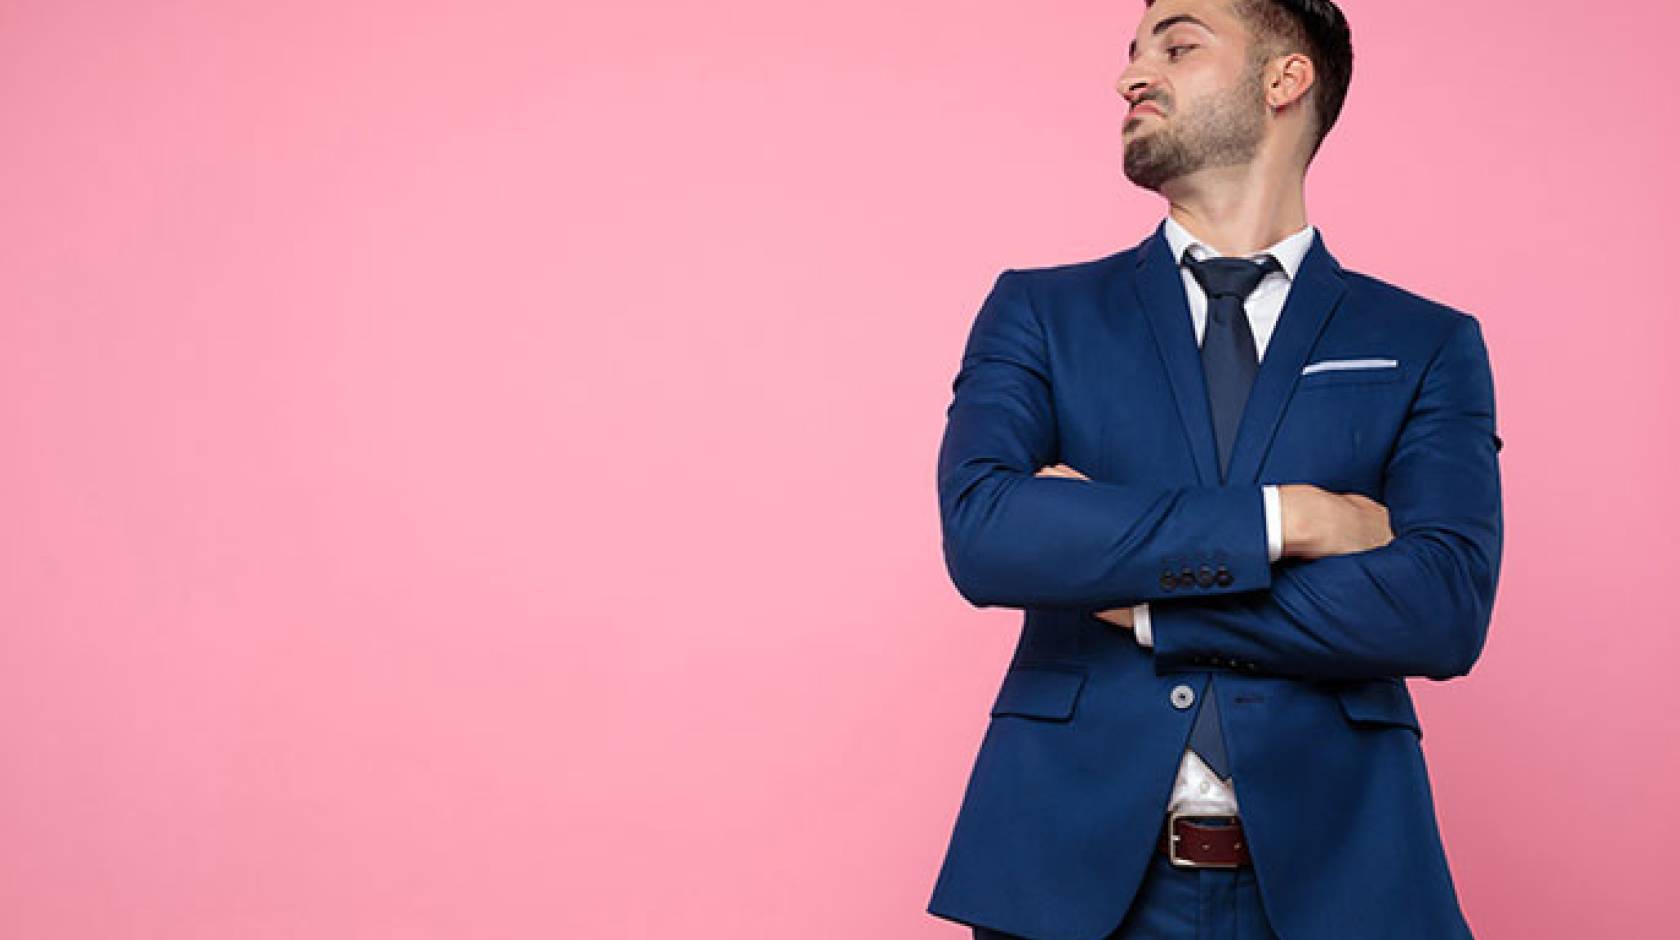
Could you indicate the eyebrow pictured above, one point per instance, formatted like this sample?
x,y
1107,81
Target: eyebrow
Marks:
x,y
1161,27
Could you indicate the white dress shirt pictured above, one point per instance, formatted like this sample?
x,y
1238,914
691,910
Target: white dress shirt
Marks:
x,y
1197,783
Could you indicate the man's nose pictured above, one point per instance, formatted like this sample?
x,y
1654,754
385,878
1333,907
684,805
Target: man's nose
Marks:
x,y
1132,85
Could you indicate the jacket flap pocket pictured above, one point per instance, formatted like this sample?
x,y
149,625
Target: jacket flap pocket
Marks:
x,y
1380,701
1039,692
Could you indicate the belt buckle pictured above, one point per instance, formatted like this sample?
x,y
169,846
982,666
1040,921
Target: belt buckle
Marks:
x,y
1172,841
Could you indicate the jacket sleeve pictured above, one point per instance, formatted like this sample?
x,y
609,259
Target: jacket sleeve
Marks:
x,y
1012,539
1418,606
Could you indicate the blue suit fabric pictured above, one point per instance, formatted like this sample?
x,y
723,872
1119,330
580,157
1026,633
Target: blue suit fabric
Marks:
x,y
1366,388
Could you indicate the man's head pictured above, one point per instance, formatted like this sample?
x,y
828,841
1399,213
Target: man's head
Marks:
x,y
1211,82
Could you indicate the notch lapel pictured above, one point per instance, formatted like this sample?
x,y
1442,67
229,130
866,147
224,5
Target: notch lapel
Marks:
x,y
1160,291
1317,289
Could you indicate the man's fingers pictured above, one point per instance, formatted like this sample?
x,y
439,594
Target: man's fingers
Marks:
x,y
1119,616
1061,470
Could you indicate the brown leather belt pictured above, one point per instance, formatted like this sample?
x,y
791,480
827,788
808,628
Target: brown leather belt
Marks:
x,y
1204,841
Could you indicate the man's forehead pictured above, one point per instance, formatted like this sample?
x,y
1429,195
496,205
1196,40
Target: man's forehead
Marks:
x,y
1206,14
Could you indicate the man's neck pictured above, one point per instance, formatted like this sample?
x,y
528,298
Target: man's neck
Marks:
x,y
1235,213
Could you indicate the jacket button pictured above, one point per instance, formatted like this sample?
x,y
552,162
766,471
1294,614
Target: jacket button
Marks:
x,y
1204,576
1223,578
1182,697
1168,581
1187,576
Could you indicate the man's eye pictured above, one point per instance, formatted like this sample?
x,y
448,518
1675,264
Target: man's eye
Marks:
x,y
1172,49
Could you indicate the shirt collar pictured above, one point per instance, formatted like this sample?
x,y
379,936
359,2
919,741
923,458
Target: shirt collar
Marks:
x,y
1289,251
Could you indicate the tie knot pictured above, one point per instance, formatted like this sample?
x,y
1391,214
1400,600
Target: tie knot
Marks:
x,y
1230,277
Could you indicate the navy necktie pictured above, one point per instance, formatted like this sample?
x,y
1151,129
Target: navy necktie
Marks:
x,y
1229,363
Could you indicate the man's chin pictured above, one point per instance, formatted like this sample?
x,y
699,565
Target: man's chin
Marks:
x,y
1143,178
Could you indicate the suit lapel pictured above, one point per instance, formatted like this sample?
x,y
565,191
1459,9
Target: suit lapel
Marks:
x,y
1160,291
1317,289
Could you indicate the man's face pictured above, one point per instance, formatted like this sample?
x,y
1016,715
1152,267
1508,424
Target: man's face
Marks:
x,y
1196,100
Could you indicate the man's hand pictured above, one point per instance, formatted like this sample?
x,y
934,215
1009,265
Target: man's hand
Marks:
x,y
1119,616
1060,470
1317,522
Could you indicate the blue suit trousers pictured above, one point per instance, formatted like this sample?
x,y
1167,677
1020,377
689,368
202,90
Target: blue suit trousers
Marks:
x,y
1187,904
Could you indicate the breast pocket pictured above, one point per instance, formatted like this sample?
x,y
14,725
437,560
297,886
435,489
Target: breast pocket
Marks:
x,y
1340,424
1337,373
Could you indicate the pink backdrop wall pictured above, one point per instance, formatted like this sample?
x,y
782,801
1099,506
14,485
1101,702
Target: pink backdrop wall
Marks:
x,y
469,467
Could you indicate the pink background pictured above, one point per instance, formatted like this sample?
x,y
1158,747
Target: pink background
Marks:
x,y
469,467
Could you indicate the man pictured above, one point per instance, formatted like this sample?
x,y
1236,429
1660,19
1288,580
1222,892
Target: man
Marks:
x,y
1240,493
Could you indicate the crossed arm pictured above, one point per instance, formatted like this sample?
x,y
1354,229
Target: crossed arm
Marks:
x,y
1418,605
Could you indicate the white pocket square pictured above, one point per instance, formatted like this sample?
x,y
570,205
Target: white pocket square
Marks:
x,y
1326,365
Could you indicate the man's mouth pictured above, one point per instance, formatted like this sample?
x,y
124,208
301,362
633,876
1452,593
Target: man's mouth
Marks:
x,y
1142,107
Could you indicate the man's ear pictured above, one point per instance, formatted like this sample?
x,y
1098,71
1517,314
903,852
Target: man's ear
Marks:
x,y
1288,79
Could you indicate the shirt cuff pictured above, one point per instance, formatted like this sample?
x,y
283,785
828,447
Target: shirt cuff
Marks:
x,y
1274,522
1141,628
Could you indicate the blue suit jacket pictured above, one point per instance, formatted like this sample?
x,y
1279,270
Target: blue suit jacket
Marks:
x,y
1095,364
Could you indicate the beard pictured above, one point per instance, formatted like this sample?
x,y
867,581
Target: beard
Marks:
x,y
1225,130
